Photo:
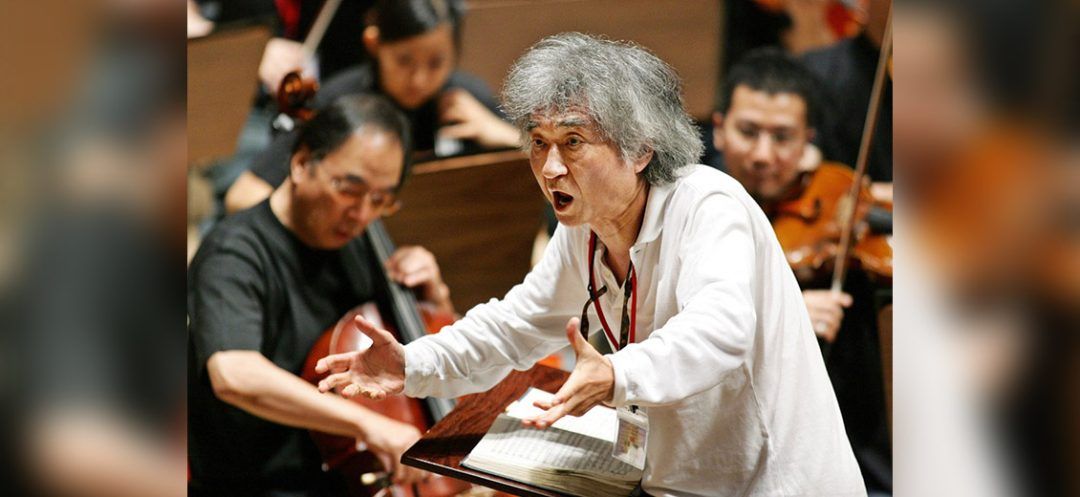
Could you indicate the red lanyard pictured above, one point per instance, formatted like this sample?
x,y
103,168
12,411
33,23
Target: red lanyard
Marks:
x,y
629,322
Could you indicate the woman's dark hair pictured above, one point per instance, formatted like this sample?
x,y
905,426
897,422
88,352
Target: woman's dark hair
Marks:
x,y
400,19
332,126
771,71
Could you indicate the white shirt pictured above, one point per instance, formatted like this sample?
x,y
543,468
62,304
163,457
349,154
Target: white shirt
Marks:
x,y
726,364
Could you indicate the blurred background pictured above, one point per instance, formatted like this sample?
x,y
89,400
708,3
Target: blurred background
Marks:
x,y
104,198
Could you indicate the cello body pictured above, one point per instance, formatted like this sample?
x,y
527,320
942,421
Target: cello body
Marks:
x,y
364,474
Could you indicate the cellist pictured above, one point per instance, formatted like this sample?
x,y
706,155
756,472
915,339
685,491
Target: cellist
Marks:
x,y
763,127
266,283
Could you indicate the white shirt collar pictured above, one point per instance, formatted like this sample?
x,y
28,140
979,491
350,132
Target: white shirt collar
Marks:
x,y
653,221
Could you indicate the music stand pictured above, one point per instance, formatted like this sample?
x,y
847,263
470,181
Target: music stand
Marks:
x,y
448,442
479,215
223,74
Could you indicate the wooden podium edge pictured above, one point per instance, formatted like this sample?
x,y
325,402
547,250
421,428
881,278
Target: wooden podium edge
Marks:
x,y
469,422
477,477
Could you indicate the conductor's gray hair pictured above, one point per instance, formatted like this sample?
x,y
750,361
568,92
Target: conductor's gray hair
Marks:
x,y
633,97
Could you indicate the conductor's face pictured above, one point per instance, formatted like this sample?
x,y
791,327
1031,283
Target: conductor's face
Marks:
x,y
335,198
763,138
579,171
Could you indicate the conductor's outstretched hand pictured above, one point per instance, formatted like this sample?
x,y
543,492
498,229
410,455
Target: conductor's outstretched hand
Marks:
x,y
375,373
592,382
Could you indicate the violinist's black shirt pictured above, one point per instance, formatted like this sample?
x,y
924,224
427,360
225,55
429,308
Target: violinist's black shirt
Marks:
x,y
846,70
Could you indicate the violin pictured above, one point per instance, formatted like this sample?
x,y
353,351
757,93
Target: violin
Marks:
x,y
294,97
809,226
827,226
296,92
364,474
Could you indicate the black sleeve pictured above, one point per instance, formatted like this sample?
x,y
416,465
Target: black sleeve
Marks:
x,y
272,165
478,89
226,307
821,64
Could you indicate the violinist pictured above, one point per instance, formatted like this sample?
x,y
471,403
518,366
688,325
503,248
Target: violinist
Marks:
x,y
763,127
413,47
264,285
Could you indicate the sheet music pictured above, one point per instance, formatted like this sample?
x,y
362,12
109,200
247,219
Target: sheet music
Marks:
x,y
572,456
599,422
553,448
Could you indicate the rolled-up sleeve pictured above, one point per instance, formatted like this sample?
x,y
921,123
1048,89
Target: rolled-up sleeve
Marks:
x,y
494,338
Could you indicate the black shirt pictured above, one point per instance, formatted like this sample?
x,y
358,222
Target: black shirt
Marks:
x,y
253,285
846,70
341,46
272,165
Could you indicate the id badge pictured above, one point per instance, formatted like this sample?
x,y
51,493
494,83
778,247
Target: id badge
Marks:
x,y
631,438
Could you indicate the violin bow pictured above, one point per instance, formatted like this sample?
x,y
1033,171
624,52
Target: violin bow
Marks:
x,y
318,29
840,267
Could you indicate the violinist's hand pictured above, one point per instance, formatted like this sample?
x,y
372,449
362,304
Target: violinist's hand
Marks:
x,y
467,119
388,440
376,373
882,192
826,311
592,382
415,267
811,158
280,57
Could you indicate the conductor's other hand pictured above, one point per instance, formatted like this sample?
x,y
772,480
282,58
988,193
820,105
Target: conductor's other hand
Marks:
x,y
377,372
592,382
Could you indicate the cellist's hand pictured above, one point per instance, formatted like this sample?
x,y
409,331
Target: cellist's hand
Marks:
x,y
415,267
388,439
376,372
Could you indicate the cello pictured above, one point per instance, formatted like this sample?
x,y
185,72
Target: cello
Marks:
x,y
364,473
408,320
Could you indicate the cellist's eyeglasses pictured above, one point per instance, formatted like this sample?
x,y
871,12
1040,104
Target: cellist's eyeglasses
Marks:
x,y
385,202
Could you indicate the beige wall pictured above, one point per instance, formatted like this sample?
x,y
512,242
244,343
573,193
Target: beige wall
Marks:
x,y
684,33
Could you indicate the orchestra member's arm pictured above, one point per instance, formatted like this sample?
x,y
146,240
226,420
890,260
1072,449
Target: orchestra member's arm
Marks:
x,y
826,310
247,191
248,380
228,314
467,119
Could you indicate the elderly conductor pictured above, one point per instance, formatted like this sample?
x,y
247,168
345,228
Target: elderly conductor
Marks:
x,y
672,261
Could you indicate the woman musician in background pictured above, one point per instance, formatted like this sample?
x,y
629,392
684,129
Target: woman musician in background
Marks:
x,y
414,47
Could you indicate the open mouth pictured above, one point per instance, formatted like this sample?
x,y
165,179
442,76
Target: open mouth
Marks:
x,y
562,200
345,233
